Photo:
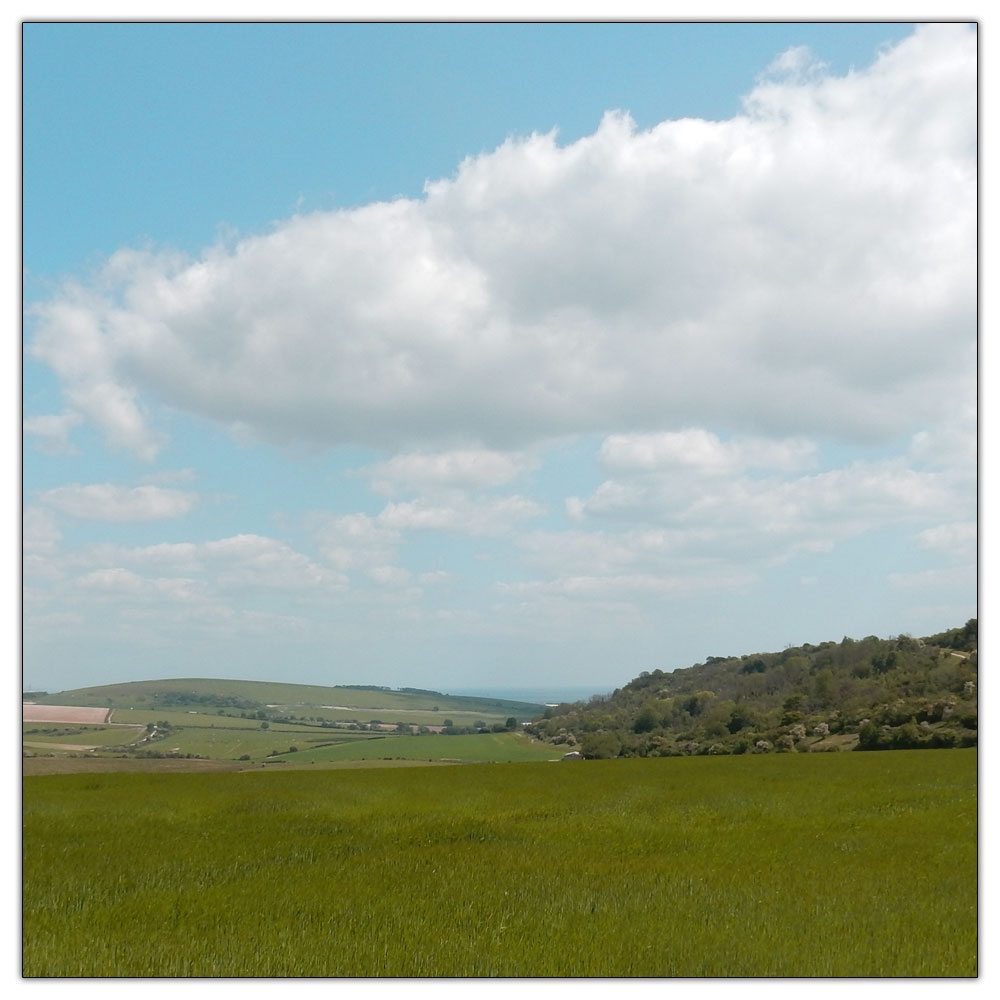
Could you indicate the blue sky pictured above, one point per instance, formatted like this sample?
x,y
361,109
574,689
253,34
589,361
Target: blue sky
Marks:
x,y
492,356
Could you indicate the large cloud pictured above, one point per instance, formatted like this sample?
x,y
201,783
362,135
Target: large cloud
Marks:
x,y
806,267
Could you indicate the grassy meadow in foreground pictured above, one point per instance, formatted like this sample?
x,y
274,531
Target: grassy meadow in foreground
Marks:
x,y
772,865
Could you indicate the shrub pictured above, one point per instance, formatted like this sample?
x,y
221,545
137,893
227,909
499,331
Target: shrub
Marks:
x,y
907,736
943,738
873,737
598,746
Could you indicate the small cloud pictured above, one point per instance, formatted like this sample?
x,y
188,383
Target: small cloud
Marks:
x,y
117,580
798,63
469,517
355,541
40,532
957,539
701,451
257,561
107,502
52,431
449,470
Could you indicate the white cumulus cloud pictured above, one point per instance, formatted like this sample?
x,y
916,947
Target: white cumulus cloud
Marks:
x,y
52,431
472,517
701,450
109,502
957,540
461,469
117,582
807,267
256,561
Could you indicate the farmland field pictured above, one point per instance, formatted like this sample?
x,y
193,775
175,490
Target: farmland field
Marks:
x,y
257,721
479,748
218,737
225,743
232,739
773,865
62,713
40,734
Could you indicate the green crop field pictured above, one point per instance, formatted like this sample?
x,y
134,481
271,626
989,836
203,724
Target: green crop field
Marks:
x,y
225,743
760,865
181,719
478,748
42,733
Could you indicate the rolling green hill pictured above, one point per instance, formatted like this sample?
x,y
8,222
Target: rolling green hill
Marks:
x,y
285,699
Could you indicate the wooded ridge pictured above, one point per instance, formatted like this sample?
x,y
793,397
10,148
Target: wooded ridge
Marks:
x,y
864,694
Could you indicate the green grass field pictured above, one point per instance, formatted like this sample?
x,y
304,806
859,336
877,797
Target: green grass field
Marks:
x,y
223,743
775,865
58,733
479,748
141,717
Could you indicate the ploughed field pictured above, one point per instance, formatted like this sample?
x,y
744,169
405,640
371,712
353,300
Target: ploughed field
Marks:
x,y
759,865
30,712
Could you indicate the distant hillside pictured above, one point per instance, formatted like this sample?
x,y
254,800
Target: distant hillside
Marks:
x,y
272,699
865,694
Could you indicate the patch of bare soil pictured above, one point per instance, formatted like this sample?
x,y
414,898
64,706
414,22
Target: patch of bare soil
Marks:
x,y
62,713
58,746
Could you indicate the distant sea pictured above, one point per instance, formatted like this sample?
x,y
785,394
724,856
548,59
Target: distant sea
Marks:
x,y
540,696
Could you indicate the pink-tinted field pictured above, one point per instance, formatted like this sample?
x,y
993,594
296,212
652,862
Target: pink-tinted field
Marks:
x,y
62,713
